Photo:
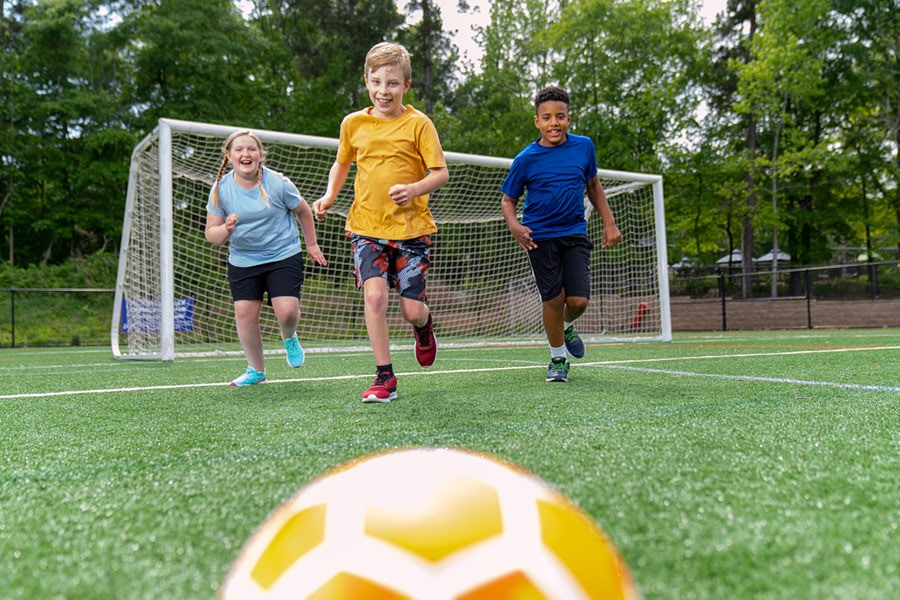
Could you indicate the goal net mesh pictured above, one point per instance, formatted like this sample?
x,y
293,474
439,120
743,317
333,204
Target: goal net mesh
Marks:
x,y
480,287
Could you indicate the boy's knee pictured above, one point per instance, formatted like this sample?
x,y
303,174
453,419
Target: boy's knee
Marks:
x,y
376,299
577,303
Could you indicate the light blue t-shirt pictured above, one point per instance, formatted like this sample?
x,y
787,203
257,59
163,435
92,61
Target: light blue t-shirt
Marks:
x,y
263,234
553,179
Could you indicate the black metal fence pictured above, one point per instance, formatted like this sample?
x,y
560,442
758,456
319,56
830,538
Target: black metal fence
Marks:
x,y
55,316
844,295
722,298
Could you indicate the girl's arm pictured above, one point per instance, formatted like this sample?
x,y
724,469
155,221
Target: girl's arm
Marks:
x,y
219,228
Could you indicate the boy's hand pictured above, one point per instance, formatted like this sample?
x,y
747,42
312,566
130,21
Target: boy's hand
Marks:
x,y
401,194
320,208
522,234
611,236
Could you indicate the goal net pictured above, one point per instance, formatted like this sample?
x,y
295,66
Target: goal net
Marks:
x,y
172,296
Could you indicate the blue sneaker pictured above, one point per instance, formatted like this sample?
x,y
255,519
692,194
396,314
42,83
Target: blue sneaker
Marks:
x,y
574,345
250,377
295,354
558,370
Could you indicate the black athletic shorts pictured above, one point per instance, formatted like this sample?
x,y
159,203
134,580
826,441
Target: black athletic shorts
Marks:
x,y
562,263
279,278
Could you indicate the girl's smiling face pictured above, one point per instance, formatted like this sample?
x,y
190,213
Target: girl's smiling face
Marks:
x,y
245,156
386,87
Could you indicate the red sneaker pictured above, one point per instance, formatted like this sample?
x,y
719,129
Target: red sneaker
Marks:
x,y
426,343
383,389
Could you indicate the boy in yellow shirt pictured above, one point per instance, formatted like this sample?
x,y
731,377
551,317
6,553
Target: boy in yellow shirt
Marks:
x,y
399,162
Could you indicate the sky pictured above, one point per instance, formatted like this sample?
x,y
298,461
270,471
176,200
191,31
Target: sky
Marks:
x,y
481,13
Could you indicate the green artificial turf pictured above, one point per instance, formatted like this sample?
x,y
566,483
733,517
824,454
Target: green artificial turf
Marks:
x,y
732,465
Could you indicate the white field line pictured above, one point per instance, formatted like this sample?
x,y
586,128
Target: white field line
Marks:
x,y
612,364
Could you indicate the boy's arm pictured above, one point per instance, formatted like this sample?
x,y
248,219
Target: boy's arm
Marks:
x,y
337,175
308,227
404,193
597,197
521,233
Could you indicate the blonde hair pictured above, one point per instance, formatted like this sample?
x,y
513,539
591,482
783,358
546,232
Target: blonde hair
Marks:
x,y
388,54
226,148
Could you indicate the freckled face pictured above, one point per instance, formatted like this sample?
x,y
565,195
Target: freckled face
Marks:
x,y
245,156
386,87
552,120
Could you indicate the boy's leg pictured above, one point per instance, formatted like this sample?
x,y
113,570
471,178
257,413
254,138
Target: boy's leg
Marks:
x,y
375,294
418,314
384,387
552,317
574,307
575,260
372,259
412,263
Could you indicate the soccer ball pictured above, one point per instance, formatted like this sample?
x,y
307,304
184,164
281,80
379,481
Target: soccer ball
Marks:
x,y
428,523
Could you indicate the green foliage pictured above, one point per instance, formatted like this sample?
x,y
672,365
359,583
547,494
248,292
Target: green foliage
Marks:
x,y
94,271
777,121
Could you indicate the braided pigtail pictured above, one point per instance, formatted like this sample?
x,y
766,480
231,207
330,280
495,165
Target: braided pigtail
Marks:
x,y
221,174
262,190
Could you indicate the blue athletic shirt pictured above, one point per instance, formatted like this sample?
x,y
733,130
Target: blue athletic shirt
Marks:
x,y
555,178
262,235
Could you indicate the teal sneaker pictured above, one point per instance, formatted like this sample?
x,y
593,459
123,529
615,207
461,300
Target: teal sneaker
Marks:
x,y
295,354
250,377
558,369
574,345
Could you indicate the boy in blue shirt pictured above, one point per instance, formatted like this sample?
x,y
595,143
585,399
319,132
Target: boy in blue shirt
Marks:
x,y
556,170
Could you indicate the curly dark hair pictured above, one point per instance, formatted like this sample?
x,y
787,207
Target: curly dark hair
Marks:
x,y
550,93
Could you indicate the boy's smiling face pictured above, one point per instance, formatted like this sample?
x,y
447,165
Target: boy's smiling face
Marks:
x,y
386,87
552,120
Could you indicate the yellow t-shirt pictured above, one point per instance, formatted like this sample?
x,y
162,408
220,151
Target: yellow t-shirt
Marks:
x,y
388,152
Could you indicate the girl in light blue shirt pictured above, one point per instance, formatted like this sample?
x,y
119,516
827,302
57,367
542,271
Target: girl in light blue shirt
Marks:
x,y
256,209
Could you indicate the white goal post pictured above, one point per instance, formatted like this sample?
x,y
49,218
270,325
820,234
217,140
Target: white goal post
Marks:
x,y
172,296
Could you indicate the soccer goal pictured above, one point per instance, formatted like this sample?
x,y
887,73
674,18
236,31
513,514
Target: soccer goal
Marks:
x,y
172,295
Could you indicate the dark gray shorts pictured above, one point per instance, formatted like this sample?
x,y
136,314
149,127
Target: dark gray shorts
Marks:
x,y
403,263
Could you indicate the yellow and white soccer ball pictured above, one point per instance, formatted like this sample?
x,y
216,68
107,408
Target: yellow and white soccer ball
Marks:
x,y
428,524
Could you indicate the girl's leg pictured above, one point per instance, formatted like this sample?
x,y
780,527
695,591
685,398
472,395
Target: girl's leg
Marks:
x,y
246,316
287,311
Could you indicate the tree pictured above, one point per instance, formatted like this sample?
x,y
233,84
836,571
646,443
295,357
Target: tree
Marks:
x,y
630,68
319,67
870,61
193,61
433,55
491,111
61,109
